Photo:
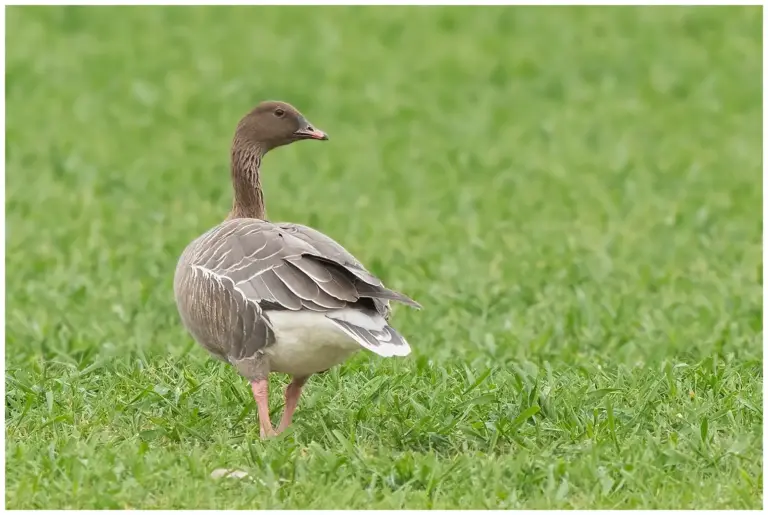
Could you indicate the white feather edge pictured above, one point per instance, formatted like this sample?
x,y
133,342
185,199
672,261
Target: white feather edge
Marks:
x,y
384,349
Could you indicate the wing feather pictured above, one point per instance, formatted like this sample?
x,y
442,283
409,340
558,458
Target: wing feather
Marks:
x,y
290,267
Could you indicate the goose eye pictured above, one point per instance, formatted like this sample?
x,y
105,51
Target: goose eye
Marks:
x,y
279,112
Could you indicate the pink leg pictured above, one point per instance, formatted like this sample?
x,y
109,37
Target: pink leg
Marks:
x,y
260,393
292,393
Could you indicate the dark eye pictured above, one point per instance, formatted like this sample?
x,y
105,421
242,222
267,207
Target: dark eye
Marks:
x,y
279,112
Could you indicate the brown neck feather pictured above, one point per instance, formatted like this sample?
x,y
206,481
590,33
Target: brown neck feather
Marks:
x,y
249,198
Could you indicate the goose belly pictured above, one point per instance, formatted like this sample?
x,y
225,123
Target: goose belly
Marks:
x,y
306,343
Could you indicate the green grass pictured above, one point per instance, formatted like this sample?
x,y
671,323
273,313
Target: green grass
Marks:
x,y
573,194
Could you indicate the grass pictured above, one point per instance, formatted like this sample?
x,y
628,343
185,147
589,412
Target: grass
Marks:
x,y
573,194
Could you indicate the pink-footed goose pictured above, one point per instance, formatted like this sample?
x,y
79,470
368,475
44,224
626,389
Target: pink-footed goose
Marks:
x,y
278,297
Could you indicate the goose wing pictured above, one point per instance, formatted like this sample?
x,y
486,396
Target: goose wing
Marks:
x,y
330,248
287,267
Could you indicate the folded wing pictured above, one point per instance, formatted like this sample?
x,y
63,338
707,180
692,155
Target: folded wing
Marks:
x,y
289,267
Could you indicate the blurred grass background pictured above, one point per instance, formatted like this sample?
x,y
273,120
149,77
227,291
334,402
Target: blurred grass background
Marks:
x,y
573,194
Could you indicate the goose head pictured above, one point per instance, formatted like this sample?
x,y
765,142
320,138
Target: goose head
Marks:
x,y
272,124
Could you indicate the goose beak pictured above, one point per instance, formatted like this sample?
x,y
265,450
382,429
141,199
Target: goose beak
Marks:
x,y
309,132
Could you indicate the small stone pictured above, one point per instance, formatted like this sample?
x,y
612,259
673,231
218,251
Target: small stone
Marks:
x,y
237,474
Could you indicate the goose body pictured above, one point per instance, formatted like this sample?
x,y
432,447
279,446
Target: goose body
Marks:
x,y
265,300
279,297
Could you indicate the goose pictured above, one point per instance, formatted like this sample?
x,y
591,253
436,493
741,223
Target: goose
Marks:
x,y
279,297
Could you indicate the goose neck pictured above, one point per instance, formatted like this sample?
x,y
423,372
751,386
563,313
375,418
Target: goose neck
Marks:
x,y
246,180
